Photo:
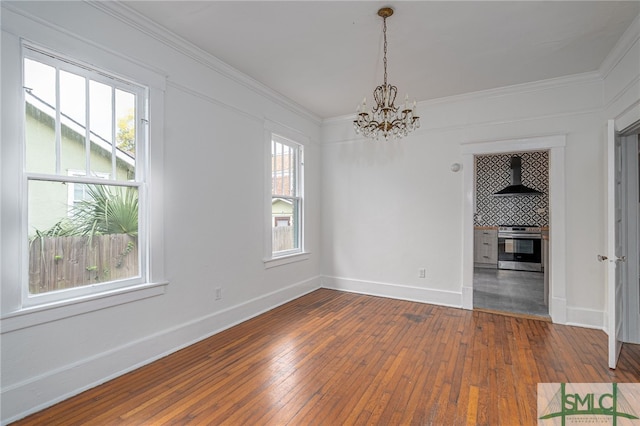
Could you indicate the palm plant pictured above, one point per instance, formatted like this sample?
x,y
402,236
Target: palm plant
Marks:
x,y
107,210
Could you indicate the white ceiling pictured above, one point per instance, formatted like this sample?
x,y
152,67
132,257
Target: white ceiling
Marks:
x,y
327,55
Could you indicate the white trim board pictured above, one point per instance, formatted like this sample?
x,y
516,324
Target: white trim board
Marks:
x,y
555,144
622,46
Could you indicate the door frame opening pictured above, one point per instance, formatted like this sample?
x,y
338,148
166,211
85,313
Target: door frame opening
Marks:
x,y
555,145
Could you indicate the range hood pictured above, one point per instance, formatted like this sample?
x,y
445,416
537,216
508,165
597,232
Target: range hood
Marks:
x,y
516,187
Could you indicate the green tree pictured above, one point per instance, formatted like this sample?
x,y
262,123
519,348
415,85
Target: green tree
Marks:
x,y
126,137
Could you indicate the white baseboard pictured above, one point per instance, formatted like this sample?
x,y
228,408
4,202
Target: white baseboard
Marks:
x,y
35,394
558,310
467,298
578,317
587,318
394,291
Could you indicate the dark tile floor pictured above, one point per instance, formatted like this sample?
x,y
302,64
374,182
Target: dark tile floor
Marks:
x,y
511,291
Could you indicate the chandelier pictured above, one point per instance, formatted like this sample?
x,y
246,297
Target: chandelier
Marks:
x,y
385,118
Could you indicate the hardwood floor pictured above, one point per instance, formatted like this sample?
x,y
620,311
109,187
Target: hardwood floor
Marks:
x,y
334,358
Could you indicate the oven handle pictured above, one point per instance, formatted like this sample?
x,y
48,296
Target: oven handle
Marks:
x,y
521,236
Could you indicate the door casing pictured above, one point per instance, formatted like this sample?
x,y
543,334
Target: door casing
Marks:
x,y
555,144
615,242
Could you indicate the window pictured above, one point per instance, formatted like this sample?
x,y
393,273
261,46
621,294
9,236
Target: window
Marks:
x,y
282,221
85,154
77,192
286,196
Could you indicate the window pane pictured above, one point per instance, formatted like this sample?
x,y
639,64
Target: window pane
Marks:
x,y
40,101
94,240
73,118
126,134
285,225
283,167
101,122
73,97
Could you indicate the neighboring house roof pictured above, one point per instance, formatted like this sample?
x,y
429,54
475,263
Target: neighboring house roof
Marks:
x,y
275,200
75,127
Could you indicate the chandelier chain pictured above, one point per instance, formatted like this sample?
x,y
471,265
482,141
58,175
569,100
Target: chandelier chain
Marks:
x,y
384,60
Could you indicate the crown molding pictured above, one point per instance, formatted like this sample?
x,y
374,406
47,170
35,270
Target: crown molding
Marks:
x,y
470,126
156,77
535,86
141,23
626,42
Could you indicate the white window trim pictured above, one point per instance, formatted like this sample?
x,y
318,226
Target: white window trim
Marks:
x,y
43,313
290,256
15,313
37,53
286,259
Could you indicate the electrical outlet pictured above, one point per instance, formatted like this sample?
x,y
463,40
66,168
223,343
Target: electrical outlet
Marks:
x,y
422,273
218,293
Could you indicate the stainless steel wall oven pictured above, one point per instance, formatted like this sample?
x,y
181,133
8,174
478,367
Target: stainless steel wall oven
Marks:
x,y
520,248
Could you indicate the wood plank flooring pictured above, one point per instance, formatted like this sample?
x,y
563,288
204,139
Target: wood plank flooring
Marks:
x,y
334,358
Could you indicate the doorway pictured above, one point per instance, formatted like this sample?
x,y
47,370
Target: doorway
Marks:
x,y
621,258
514,292
555,146
511,224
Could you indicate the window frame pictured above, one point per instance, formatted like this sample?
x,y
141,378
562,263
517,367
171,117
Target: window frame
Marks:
x,y
63,63
15,314
287,136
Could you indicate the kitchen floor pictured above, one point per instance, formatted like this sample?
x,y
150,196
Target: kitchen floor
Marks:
x,y
511,291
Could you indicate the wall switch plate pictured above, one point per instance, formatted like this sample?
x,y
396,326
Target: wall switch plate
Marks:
x,y
422,273
218,293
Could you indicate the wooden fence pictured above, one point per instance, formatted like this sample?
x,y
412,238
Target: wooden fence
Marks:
x,y
57,263
282,238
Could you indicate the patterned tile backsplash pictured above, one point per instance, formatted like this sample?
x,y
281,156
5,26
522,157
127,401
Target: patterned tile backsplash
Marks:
x,y
493,173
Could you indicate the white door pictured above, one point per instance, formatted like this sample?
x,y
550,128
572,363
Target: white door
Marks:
x,y
614,243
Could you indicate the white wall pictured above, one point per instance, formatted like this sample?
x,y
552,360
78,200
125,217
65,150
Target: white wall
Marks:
x,y
621,72
214,151
391,208
387,209
407,192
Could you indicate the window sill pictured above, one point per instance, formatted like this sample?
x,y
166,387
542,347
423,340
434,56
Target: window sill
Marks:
x,y
35,315
285,260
